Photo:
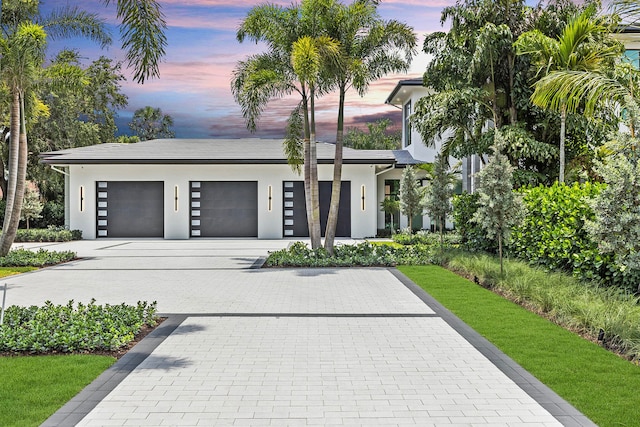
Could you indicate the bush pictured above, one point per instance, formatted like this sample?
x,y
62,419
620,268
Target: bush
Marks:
x,y
553,234
362,254
41,258
52,215
427,238
63,328
51,234
472,237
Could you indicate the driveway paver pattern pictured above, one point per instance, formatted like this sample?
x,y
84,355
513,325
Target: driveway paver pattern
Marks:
x,y
283,347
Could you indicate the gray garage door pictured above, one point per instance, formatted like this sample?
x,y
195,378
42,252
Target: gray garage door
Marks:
x,y
224,209
130,208
295,215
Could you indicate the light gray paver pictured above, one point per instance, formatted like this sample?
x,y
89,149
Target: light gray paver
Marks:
x,y
279,347
346,291
349,371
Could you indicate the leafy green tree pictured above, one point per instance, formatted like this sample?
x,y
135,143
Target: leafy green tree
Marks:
x,y
616,226
82,104
411,195
149,123
438,194
378,137
582,46
499,207
32,205
390,206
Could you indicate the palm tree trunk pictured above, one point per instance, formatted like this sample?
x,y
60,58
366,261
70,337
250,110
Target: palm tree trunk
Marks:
x,y
563,126
10,227
332,220
307,165
314,227
14,142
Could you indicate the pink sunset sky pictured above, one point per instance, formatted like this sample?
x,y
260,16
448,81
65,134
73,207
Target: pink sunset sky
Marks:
x,y
194,83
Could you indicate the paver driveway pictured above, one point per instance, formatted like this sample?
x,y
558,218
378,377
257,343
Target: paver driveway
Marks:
x,y
282,347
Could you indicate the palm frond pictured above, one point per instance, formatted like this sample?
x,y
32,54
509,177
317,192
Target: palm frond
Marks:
x,y
143,35
71,21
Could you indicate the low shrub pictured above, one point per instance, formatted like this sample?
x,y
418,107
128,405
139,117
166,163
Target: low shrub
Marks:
x,y
65,328
427,238
51,234
41,258
577,305
553,235
362,254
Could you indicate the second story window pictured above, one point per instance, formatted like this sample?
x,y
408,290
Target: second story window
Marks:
x,y
407,125
632,56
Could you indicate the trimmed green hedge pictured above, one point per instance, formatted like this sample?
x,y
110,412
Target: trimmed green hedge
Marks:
x,y
553,234
65,328
47,235
41,258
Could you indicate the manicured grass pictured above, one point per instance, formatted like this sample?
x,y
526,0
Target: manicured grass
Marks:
x,y
598,383
10,271
33,388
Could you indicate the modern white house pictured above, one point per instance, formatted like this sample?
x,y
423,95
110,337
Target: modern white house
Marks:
x,y
190,188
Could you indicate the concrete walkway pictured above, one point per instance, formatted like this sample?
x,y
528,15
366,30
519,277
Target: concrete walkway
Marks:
x,y
283,347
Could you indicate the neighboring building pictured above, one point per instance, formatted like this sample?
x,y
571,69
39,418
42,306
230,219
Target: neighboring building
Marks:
x,y
185,188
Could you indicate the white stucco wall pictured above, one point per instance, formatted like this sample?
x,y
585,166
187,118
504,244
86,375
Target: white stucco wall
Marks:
x,y
176,223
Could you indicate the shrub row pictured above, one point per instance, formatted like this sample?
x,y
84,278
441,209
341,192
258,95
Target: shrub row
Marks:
x,y
50,234
586,308
65,328
427,238
41,258
553,233
362,254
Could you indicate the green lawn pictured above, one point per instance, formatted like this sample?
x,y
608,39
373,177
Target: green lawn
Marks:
x,y
598,383
10,271
32,388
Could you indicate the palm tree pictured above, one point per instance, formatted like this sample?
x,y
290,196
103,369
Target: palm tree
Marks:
x,y
22,57
309,57
149,123
581,47
266,76
370,48
143,37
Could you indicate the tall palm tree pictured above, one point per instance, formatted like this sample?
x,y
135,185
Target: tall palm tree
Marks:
x,y
582,47
142,32
270,75
22,57
309,58
370,48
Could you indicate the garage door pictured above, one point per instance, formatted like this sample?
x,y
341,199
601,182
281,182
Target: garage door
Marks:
x,y
295,215
224,209
130,208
